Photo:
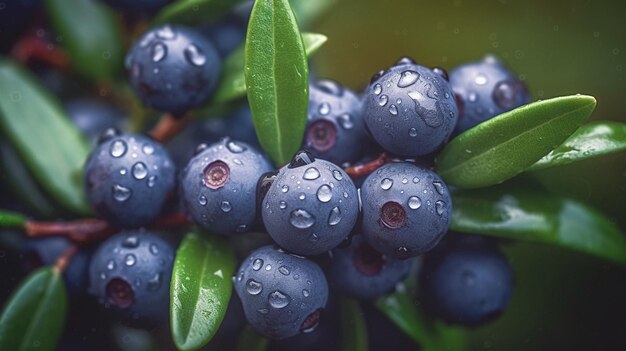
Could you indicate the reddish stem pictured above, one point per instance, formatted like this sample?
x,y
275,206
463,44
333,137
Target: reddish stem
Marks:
x,y
365,169
169,126
62,261
32,47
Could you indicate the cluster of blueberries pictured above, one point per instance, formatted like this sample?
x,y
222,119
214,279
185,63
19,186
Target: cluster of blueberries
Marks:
x,y
326,231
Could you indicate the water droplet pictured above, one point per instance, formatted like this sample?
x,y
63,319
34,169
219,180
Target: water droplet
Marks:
x,y
257,264
263,311
337,175
279,299
427,107
194,55
130,260
253,287
346,122
335,216
301,219
480,79
382,100
296,276
324,109
282,205
413,132
111,265
226,206
393,110
241,228
123,171
305,293
416,180
118,148
103,276
154,249
311,173
302,196
140,171
131,242
440,207
268,267
284,188
414,202
314,237
472,97
121,193
386,183
155,282
147,149
165,32
151,181
324,193
159,51
408,78
345,194
202,200
284,270
378,89
439,187
235,147
404,180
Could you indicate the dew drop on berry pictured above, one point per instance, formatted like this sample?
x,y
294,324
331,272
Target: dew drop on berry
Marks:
x,y
324,193
386,184
226,206
480,79
131,242
123,171
441,72
111,265
165,32
121,193
130,260
194,55
278,299
140,171
345,121
414,202
311,173
118,148
152,181
257,264
440,207
301,219
302,196
324,109
263,311
439,187
154,249
159,51
408,78
335,216
416,180
378,89
202,200
253,287
282,205
305,293
284,188
393,110
337,175
154,283
235,147
314,238
382,100
472,97
284,270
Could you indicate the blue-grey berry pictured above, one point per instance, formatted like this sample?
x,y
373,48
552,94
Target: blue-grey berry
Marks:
x,y
406,209
173,68
409,109
130,276
466,282
362,272
485,89
128,179
219,186
335,129
282,294
311,206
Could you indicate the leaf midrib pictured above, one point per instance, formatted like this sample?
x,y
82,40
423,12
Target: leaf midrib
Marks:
x,y
281,157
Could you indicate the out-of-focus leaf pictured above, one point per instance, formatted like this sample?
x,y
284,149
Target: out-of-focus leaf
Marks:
x,y
354,331
11,219
249,340
194,11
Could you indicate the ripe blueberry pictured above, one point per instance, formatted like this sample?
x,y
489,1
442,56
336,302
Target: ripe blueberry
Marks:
x,y
219,186
311,206
227,35
130,275
467,282
282,294
409,109
173,68
485,89
128,179
335,130
360,271
406,209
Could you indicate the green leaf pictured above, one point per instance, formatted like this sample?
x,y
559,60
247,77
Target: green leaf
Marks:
x,y
589,141
200,290
10,219
277,78
530,214
91,35
508,144
34,317
233,82
45,139
194,11
250,340
354,331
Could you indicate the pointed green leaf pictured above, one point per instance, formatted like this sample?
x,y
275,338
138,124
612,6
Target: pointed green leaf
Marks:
x,y
34,317
194,11
200,289
527,214
91,35
45,139
233,82
589,141
508,144
10,219
277,78
354,330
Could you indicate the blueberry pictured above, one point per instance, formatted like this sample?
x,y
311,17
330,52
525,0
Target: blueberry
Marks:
x,y
409,109
406,209
335,130
130,275
136,6
282,294
485,89
311,206
173,68
467,282
92,117
219,186
227,35
128,179
361,272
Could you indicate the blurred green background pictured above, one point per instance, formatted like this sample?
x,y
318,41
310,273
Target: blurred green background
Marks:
x,y
562,300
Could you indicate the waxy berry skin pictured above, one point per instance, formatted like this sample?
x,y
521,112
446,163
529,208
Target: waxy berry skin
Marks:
x,y
406,209
409,109
282,294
